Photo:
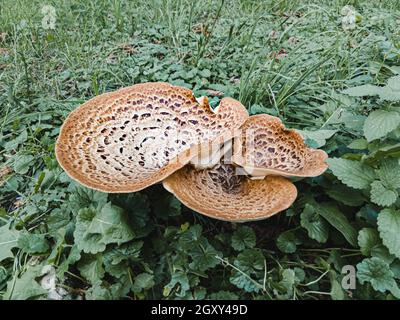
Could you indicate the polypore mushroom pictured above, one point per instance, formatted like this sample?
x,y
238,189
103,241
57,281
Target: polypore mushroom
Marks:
x,y
129,139
223,194
266,147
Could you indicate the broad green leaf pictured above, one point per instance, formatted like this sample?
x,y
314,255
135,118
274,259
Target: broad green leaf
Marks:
x,y
178,278
379,123
22,164
203,256
346,195
389,173
352,173
143,281
390,92
84,197
362,91
25,286
244,237
317,228
8,240
367,239
378,274
33,243
339,221
287,242
381,195
336,292
358,144
318,136
389,230
91,267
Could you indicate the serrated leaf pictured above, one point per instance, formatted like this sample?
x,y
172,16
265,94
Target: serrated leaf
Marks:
x,y
367,239
8,240
317,228
352,173
389,173
378,274
143,281
389,230
379,123
318,136
244,237
203,256
382,196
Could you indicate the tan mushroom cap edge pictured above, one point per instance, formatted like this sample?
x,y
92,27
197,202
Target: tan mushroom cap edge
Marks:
x,y
124,141
222,194
266,147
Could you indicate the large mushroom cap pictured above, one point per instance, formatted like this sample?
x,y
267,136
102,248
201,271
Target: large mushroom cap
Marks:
x,y
266,147
222,194
126,140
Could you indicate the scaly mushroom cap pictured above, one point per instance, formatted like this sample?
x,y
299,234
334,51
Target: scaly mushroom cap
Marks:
x,y
126,140
222,194
266,147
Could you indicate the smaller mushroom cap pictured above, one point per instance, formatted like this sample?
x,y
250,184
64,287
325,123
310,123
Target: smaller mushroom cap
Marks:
x,y
266,147
222,194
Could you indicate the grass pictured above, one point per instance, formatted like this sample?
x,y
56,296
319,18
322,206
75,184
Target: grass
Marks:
x,y
287,58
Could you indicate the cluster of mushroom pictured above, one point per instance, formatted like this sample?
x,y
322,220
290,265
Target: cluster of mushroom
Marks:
x,y
222,163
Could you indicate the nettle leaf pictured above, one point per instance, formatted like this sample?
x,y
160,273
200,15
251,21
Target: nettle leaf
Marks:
x,y
244,237
352,173
389,173
339,221
317,228
367,239
33,243
379,123
25,286
8,240
346,195
381,195
95,229
378,274
91,267
287,242
389,230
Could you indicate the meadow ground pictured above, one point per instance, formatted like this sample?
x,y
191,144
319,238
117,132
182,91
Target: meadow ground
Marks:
x,y
331,71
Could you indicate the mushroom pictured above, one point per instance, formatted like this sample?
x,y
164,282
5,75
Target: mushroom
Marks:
x,y
223,194
266,147
127,140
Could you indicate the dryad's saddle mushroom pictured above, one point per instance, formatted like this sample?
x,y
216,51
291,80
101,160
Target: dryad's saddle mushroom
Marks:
x,y
126,140
266,147
221,193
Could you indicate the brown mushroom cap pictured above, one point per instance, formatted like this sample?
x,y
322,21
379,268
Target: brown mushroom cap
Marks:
x,y
266,147
222,194
126,140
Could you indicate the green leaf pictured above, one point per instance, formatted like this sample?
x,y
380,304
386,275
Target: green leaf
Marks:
x,y
287,242
91,267
143,281
382,196
346,195
389,230
178,278
362,91
379,123
25,286
244,237
352,173
367,239
203,256
390,92
223,295
339,221
316,227
378,274
389,173
319,137
85,198
23,163
94,230
358,144
33,243
8,240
